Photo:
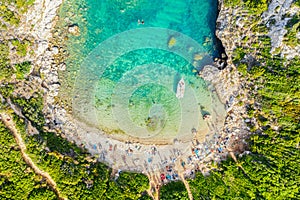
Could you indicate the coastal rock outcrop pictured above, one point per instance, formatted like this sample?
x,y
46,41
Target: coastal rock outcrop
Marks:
x,y
74,29
276,18
238,30
234,27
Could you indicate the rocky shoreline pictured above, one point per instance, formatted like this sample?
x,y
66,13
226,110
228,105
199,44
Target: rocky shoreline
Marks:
x,y
178,160
226,84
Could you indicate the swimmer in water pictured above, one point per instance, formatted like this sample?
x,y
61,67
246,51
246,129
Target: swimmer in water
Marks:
x,y
141,21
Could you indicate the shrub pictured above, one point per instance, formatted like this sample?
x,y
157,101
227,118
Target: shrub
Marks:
x,y
21,47
22,69
5,69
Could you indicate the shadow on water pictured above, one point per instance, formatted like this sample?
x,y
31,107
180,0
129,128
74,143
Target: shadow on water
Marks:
x,y
206,60
177,78
212,21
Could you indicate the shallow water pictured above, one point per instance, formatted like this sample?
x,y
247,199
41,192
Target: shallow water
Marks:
x,y
124,73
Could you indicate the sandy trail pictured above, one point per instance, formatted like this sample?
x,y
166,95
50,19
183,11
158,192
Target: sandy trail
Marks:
x,y
181,170
187,186
7,120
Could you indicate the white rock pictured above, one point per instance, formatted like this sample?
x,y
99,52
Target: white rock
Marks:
x,y
55,50
247,120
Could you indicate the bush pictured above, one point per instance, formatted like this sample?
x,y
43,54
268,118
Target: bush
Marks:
x,y
174,191
6,90
21,46
32,109
290,37
238,54
17,180
257,71
9,16
23,5
5,70
255,6
242,68
22,69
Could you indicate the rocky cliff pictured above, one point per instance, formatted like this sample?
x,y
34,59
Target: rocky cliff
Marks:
x,y
241,26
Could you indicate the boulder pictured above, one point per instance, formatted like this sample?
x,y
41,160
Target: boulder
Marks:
x,y
74,29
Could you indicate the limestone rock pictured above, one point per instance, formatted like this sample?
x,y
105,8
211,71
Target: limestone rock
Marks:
x,y
55,50
74,29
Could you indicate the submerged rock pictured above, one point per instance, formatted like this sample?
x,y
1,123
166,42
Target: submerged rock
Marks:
x,y
172,41
74,29
198,56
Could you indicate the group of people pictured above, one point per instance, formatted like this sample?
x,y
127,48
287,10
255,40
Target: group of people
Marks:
x,y
141,22
169,175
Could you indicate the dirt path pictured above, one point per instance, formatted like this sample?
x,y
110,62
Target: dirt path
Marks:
x,y
153,191
180,170
187,186
7,120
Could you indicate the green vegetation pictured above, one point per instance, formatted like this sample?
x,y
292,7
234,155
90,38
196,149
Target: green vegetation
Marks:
x,y
228,183
21,46
17,180
6,90
12,10
5,68
32,109
239,54
271,171
253,6
22,69
174,191
293,27
78,175
23,5
8,15
257,6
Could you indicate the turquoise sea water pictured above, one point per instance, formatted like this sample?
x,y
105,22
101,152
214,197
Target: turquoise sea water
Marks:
x,y
194,18
124,73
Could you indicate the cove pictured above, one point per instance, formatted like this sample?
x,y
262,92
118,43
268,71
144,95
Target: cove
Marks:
x,y
124,68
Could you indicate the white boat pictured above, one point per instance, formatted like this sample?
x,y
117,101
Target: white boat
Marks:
x,y
180,89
